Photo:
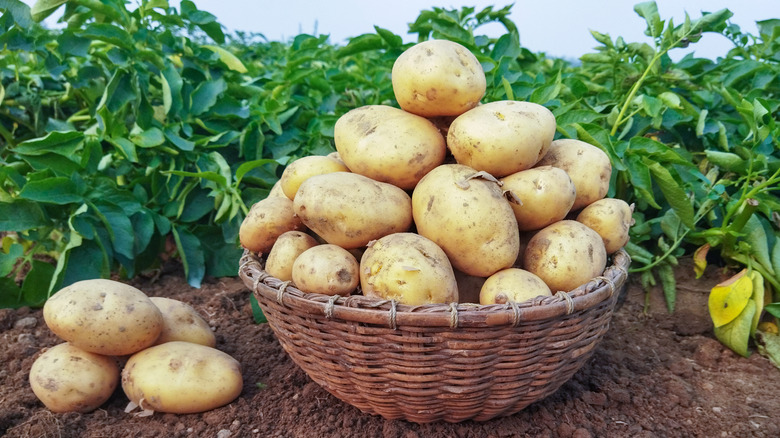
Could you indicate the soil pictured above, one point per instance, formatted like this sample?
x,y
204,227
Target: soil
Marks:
x,y
654,374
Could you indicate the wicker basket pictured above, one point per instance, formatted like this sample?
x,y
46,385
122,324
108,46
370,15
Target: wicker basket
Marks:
x,y
438,362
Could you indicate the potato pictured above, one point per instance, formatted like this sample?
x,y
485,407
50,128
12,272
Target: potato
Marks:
x,y
512,284
68,379
611,218
468,217
388,144
408,268
588,167
565,255
438,78
181,378
502,137
301,169
266,221
284,252
326,269
181,322
547,194
276,191
350,210
104,317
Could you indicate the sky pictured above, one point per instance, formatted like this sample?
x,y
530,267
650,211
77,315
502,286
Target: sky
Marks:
x,y
558,28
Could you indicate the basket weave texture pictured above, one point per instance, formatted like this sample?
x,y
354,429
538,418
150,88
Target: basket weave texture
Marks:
x,y
438,362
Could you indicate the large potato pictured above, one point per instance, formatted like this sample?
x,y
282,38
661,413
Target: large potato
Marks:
x,y
408,268
181,378
512,284
301,169
350,210
611,218
565,255
266,221
546,194
181,322
502,137
68,379
284,252
104,317
438,78
326,269
588,167
388,144
468,217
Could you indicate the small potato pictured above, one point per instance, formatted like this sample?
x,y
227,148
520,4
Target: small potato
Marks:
x,y
68,379
388,144
611,218
588,167
181,322
326,269
408,268
181,378
284,252
565,255
276,191
502,137
438,78
546,194
266,221
512,284
350,210
104,317
301,169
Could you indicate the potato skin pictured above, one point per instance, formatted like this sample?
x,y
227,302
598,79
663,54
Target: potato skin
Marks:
x,y
350,210
502,137
299,170
408,268
611,218
588,167
565,255
547,194
512,284
468,218
181,378
326,269
287,248
388,144
266,221
181,322
438,78
104,317
68,379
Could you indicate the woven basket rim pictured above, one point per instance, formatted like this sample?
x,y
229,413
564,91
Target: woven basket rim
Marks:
x,y
390,313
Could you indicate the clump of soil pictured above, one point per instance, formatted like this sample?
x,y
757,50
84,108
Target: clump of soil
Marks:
x,y
652,375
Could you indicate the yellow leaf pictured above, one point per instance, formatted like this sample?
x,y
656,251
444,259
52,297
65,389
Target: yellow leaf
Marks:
x,y
228,58
700,259
728,299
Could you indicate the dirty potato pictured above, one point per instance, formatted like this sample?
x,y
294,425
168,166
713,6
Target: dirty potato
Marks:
x,y
326,269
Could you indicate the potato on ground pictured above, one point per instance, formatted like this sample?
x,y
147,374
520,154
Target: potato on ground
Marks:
x,y
502,137
546,195
68,379
565,255
438,78
408,268
611,218
301,169
512,284
588,167
287,248
104,316
266,221
326,269
181,322
350,210
388,144
466,214
181,378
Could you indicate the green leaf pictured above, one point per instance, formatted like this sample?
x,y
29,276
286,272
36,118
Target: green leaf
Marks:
x,y
57,190
229,59
736,333
756,236
8,260
257,312
775,255
674,193
205,96
19,12
109,33
641,180
149,138
126,147
389,37
727,161
63,143
21,215
668,284
44,8
649,11
119,227
757,299
172,85
191,254
768,345
35,288
773,309
10,294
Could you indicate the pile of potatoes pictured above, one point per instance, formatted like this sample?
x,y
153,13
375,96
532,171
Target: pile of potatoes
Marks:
x,y
164,348
442,200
